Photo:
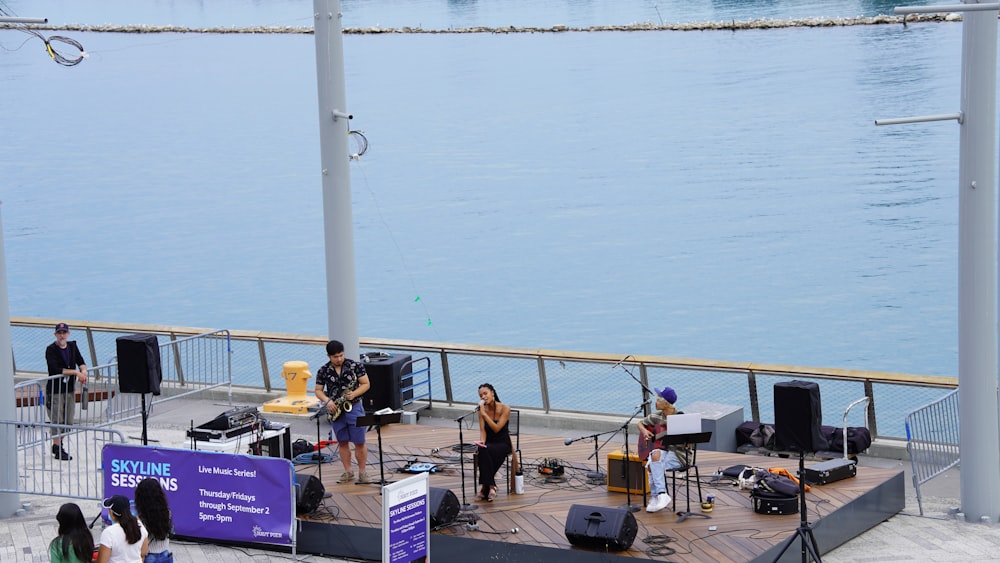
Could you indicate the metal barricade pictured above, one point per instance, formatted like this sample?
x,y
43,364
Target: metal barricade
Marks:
x,y
932,440
39,473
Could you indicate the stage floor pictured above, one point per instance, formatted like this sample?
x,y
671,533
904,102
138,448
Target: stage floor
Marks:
x,y
837,511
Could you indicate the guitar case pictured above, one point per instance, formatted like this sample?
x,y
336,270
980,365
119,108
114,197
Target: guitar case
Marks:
x,y
766,502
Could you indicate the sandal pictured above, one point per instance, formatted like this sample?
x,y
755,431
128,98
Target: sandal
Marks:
x,y
480,496
492,495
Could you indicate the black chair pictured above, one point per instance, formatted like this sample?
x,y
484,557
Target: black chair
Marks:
x,y
513,462
693,440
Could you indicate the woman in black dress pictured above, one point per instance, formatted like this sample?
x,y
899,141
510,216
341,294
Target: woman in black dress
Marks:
x,y
494,440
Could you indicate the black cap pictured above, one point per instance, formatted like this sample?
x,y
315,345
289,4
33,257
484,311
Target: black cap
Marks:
x,y
62,327
117,505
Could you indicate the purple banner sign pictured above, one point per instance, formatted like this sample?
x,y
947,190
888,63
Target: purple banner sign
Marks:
x,y
404,510
211,495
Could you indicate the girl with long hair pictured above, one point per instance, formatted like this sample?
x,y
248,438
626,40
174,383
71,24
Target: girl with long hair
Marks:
x,y
494,440
154,513
74,544
125,540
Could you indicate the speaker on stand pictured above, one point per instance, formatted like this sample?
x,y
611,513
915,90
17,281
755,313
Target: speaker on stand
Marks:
x,y
139,369
798,419
387,373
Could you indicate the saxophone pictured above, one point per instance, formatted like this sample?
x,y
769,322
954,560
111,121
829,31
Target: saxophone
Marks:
x,y
341,404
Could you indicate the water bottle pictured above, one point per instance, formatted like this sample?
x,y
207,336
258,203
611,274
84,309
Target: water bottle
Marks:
x,y
84,397
519,483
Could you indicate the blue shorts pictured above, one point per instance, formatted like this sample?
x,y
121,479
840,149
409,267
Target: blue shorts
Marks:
x,y
345,429
161,557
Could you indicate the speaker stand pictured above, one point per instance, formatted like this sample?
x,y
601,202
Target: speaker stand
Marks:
x,y
318,455
145,416
803,533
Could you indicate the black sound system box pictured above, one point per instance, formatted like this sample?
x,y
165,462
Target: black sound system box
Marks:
x,y
139,369
798,417
599,527
309,492
388,374
830,471
443,506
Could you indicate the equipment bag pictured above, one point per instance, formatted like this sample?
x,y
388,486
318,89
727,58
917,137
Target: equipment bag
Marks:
x,y
777,484
858,439
301,446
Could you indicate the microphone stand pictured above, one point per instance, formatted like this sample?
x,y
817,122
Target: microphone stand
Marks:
x,y
466,507
628,486
317,455
595,475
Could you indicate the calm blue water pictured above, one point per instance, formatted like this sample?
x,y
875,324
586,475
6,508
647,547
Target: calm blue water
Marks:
x,y
702,194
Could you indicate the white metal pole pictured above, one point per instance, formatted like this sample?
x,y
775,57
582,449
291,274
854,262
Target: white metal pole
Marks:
x,y
338,223
979,431
9,502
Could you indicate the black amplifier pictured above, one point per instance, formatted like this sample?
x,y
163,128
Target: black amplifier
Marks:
x,y
231,419
830,471
205,434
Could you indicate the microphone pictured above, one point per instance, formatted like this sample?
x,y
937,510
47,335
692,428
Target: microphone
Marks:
x,y
568,441
320,410
621,361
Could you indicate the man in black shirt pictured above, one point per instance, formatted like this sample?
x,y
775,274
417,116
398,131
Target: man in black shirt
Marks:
x,y
65,361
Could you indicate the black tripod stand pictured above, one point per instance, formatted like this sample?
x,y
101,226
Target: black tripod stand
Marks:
x,y
466,507
804,532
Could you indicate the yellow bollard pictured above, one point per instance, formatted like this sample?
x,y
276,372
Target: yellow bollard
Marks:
x,y
298,400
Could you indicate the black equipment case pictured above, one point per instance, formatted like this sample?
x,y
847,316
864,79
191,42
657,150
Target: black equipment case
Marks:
x,y
830,471
765,502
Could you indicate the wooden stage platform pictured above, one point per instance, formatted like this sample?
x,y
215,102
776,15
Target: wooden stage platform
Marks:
x,y
348,523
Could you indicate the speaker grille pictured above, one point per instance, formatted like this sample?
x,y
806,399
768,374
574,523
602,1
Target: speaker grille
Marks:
x,y
444,506
309,493
598,527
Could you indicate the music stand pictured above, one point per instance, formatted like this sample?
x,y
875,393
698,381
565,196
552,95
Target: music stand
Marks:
x,y
379,420
679,439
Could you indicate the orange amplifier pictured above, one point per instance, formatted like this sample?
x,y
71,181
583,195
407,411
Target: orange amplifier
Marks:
x,y
638,477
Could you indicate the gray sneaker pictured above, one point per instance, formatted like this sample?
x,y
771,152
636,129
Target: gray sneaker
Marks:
x,y
364,479
346,477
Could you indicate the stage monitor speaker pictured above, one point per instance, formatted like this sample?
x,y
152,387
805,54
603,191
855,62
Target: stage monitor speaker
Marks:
x,y
598,527
387,375
309,493
139,368
443,508
798,417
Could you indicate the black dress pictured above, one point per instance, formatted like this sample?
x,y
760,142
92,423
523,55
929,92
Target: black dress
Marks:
x,y
497,449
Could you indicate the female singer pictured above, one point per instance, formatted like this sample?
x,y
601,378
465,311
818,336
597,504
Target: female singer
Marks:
x,y
494,440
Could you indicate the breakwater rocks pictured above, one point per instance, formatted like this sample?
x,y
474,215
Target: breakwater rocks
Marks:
x,y
648,26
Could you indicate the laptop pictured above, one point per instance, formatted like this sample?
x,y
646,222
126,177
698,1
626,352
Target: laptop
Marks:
x,y
683,424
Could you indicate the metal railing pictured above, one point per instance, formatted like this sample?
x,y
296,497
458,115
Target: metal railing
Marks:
x,y
39,473
550,381
192,364
932,440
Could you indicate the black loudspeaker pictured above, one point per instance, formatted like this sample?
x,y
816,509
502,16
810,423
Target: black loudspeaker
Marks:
x,y
387,376
139,368
309,493
798,417
601,528
443,507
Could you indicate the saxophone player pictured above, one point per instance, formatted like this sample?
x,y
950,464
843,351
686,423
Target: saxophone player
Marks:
x,y
341,377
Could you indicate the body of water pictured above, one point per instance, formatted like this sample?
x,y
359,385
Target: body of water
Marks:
x,y
698,194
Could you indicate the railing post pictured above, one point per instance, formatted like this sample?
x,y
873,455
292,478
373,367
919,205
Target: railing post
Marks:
x,y
446,375
265,373
754,403
177,359
870,411
543,382
91,346
645,385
